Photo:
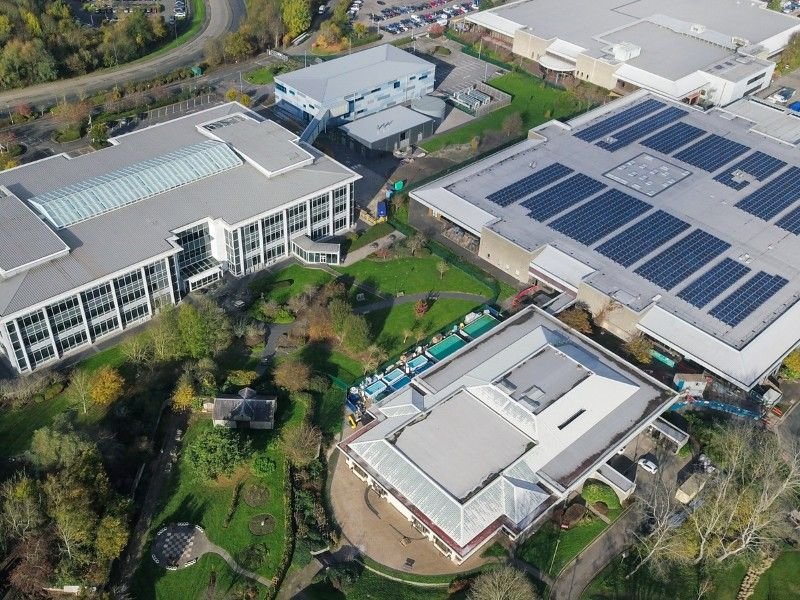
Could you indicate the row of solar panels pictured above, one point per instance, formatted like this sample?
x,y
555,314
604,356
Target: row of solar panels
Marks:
x,y
604,214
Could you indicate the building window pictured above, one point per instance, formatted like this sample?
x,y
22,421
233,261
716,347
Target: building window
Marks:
x,y
298,218
272,227
280,87
232,250
196,244
756,78
339,224
320,209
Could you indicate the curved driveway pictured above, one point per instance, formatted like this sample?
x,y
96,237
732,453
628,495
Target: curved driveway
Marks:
x,y
221,16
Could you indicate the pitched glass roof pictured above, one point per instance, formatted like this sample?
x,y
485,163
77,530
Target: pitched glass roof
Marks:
x,y
69,205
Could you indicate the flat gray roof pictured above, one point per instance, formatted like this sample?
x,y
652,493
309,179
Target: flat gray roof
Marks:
x,y
768,119
333,80
24,237
384,124
462,444
137,232
676,38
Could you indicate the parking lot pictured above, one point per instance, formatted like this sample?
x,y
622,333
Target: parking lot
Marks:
x,y
457,70
397,18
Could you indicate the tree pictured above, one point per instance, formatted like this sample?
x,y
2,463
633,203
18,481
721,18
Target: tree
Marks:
x,y
99,134
360,29
245,100
301,443
112,536
330,34
576,318
640,347
442,267
342,576
216,451
776,5
106,386
319,322
21,515
358,333
69,504
503,583
512,125
375,356
237,46
72,114
415,243
80,388
165,340
204,328
420,308
740,513
137,348
184,396
293,375
339,310
791,365
35,569
214,52
408,332
296,16
241,378
231,95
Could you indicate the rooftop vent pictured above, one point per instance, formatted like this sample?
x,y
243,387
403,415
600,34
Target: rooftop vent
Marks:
x,y
697,28
625,51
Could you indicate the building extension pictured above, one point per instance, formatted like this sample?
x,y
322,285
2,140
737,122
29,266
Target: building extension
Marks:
x,y
98,243
492,437
354,86
714,51
680,224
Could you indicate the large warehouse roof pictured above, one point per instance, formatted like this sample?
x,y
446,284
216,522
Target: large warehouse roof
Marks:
x,y
115,231
506,425
332,80
676,38
689,211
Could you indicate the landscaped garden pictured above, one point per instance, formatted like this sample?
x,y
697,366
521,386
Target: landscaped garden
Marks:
x,y
532,99
551,548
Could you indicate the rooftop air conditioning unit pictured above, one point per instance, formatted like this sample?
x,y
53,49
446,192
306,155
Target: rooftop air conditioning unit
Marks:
x,y
738,42
625,51
697,28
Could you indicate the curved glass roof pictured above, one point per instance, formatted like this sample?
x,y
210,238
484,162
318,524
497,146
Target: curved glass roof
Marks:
x,y
69,205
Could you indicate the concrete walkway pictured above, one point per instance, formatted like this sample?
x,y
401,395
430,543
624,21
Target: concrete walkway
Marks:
x,y
580,572
411,298
384,242
213,548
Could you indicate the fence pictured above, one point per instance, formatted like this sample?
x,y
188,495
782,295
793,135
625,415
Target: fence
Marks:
x,y
499,99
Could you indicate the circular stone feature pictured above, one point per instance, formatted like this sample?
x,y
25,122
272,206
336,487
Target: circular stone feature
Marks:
x,y
262,524
255,495
178,545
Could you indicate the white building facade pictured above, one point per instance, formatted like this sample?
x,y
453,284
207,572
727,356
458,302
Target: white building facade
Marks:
x,y
40,324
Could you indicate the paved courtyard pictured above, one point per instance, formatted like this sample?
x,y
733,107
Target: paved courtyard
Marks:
x,y
179,545
373,526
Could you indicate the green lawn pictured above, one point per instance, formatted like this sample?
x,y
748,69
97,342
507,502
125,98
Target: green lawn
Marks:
x,y
375,232
193,582
413,276
17,426
260,76
207,504
782,579
681,583
332,362
298,278
551,548
373,587
596,491
535,102
389,324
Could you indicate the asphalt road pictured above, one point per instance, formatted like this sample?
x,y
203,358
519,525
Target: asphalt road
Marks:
x,y
221,16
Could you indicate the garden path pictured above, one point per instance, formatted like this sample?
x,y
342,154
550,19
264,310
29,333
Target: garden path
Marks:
x,y
235,566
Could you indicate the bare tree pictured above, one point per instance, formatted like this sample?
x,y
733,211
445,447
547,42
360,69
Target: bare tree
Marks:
x,y
504,583
80,388
415,243
137,349
301,443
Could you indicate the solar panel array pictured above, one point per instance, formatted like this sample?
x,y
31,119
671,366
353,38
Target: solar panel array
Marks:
x,y
561,196
791,221
740,303
672,138
713,282
757,164
634,132
773,197
641,239
629,115
527,185
711,152
600,216
671,266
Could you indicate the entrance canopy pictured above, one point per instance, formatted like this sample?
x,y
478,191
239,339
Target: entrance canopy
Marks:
x,y
554,63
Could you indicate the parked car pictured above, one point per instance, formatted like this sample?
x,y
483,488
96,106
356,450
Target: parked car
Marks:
x,y
782,96
648,465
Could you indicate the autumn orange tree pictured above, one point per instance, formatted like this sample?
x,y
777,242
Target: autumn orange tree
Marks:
x,y
107,385
293,375
183,398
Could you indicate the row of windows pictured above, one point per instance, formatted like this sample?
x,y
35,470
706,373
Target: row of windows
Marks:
x,y
196,244
232,248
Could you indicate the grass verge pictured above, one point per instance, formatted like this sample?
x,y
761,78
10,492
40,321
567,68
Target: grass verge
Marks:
x,y
535,101
551,548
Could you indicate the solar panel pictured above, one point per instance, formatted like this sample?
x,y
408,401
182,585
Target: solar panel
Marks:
x,y
712,283
672,138
791,221
641,239
773,197
634,132
527,185
600,216
711,152
671,266
561,196
735,307
606,126
757,165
